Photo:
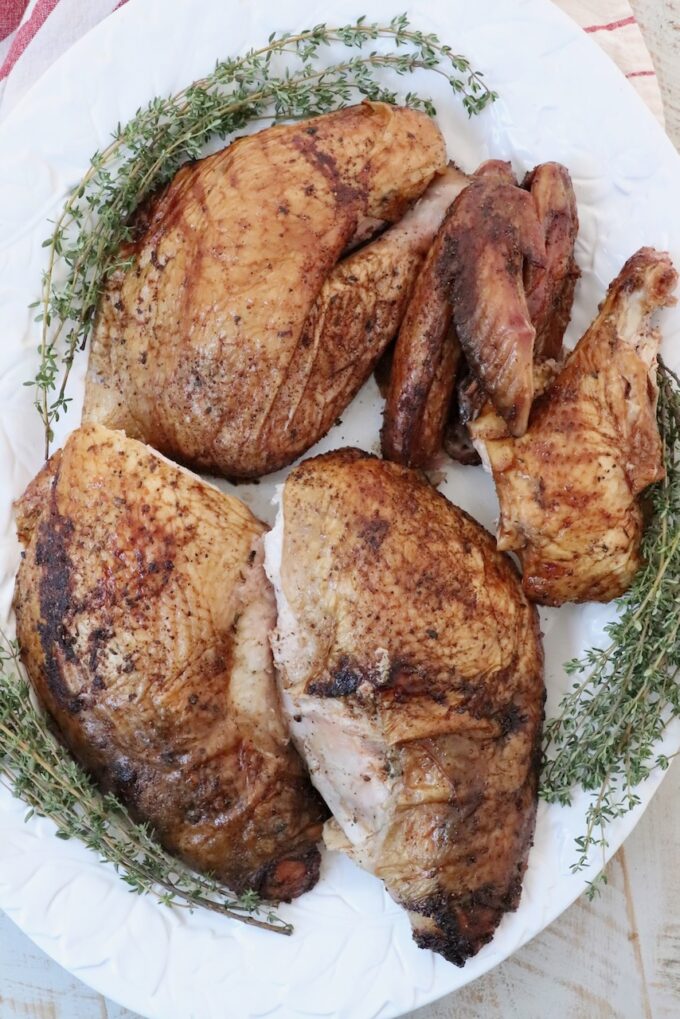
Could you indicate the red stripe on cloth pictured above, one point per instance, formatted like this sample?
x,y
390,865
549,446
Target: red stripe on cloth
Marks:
x,y
641,74
41,12
611,26
11,13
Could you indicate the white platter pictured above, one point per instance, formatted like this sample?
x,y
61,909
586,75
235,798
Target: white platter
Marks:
x,y
351,954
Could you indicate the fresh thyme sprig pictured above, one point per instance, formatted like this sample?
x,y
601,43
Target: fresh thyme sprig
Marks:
x,y
146,152
604,739
41,773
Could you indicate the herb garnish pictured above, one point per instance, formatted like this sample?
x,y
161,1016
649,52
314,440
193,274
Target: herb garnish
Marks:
x,y
147,151
40,771
604,738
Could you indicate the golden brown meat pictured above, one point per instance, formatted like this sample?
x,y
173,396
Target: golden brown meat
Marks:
x,y
488,280
203,336
427,352
569,488
424,363
493,235
418,397
355,317
498,170
411,671
143,615
550,289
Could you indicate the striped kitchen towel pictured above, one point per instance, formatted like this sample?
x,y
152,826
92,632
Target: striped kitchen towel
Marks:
x,y
33,33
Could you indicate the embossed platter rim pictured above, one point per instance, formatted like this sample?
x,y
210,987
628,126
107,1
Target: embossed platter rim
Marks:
x,y
560,99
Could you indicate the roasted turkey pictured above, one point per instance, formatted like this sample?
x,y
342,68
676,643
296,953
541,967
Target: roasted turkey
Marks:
x,y
493,238
426,356
355,317
569,489
411,671
211,347
143,615
493,296
550,288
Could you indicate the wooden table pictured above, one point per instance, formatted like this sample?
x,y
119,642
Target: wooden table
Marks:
x,y
615,958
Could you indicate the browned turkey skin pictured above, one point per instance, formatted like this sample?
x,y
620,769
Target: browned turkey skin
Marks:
x,y
549,292
550,289
143,615
356,315
498,282
493,231
411,670
569,488
424,365
211,346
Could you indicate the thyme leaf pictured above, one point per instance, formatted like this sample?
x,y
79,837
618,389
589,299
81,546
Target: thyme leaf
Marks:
x,y
38,770
624,696
283,80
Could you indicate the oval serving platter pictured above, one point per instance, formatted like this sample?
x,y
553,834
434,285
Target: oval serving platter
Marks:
x,y
560,98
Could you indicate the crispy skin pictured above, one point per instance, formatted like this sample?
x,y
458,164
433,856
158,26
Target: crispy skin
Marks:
x,y
458,441
143,615
569,488
411,669
550,289
419,395
355,317
430,433
470,293
496,169
196,342
475,407
492,233
425,358
427,352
